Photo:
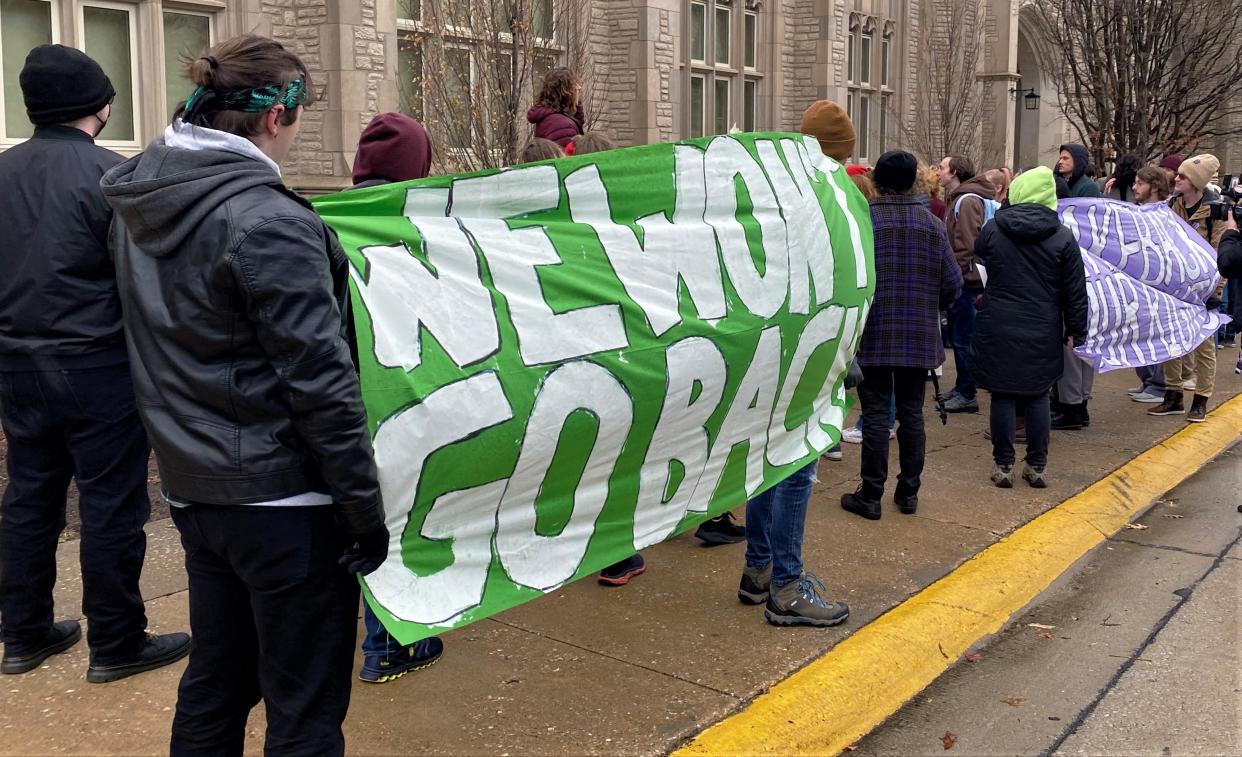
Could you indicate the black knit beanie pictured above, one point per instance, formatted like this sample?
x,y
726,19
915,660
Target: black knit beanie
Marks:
x,y
895,170
61,84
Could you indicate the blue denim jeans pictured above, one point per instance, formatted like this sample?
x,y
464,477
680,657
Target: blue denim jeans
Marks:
x,y
961,329
378,642
775,521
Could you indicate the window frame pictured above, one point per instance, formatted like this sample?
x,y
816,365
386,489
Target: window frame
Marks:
x,y
132,10
727,81
750,103
851,57
863,144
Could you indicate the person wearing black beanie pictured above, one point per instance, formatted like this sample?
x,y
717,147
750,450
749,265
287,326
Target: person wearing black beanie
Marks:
x,y
68,405
61,85
916,276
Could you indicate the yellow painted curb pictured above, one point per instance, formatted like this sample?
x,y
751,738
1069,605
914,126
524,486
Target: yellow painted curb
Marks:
x,y
842,696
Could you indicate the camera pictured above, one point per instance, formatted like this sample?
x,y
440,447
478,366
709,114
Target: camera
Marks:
x,y
1231,196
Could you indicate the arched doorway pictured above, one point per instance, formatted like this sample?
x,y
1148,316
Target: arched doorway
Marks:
x,y
1037,133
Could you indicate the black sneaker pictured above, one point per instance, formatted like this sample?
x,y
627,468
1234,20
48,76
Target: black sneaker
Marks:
x,y
755,585
619,574
60,637
157,651
419,655
859,505
720,530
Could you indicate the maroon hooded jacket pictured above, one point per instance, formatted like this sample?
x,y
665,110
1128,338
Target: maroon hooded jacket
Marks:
x,y
393,147
556,126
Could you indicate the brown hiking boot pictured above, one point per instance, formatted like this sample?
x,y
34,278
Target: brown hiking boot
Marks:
x,y
802,603
1198,409
1172,405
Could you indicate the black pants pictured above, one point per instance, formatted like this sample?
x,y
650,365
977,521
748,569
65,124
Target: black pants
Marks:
x,y
273,617
880,384
1038,427
61,425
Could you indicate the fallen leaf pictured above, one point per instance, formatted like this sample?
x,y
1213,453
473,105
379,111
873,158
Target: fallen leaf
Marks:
x,y
1040,625
948,739
975,657
1136,527
1046,634
1173,516
1014,701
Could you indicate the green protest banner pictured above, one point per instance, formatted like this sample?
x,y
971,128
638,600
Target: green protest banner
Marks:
x,y
568,361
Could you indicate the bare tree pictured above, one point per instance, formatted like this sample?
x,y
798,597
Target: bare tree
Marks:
x,y
1143,76
947,95
479,63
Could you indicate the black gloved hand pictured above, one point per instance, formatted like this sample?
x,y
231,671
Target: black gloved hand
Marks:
x,y
366,554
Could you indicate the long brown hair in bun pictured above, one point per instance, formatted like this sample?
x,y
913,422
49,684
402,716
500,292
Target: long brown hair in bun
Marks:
x,y
241,63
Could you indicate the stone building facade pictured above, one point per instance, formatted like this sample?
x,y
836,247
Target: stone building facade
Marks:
x,y
656,69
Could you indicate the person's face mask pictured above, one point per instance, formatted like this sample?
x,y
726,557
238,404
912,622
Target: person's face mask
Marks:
x,y
103,122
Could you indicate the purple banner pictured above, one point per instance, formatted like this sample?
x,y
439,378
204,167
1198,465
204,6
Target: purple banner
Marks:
x,y
1148,277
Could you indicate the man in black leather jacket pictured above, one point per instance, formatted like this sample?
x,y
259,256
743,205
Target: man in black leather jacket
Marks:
x,y
66,399
234,297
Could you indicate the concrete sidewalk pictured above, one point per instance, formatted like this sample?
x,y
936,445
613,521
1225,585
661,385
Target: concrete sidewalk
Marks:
x,y
636,670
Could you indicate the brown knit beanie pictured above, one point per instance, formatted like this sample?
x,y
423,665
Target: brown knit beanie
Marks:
x,y
1200,169
827,122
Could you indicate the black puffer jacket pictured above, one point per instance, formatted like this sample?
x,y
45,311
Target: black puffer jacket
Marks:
x,y
1035,297
233,292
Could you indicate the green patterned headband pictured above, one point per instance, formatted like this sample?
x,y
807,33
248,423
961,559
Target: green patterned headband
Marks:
x,y
204,101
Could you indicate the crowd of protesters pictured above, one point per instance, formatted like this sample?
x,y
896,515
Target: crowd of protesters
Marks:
x,y
185,300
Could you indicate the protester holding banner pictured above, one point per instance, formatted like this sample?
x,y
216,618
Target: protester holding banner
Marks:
x,y
235,302
971,198
1151,185
776,519
1195,372
1035,303
394,147
916,276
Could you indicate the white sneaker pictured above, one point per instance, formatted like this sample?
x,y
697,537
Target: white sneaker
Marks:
x,y
851,435
892,433
1150,396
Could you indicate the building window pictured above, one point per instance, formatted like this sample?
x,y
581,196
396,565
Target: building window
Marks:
x,y
851,57
410,73
109,33
459,94
698,31
724,36
724,44
885,103
751,54
24,24
865,60
722,105
698,104
863,122
868,80
886,51
750,105
186,35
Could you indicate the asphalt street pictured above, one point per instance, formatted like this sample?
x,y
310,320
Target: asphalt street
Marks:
x,y
1137,652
